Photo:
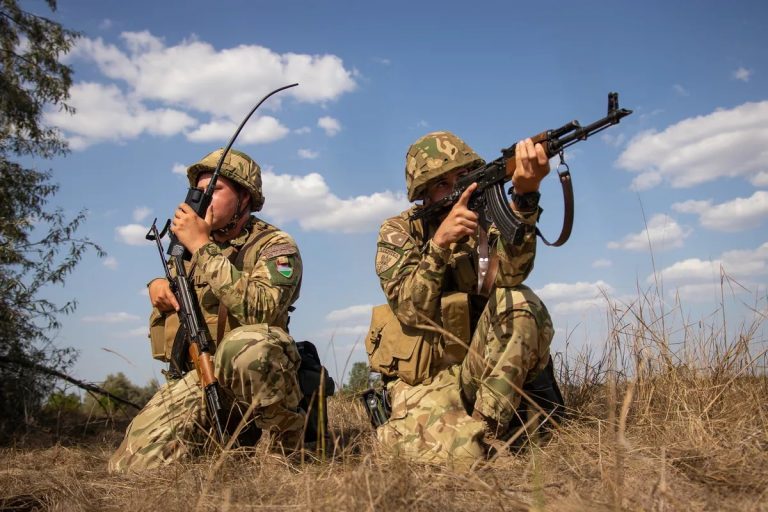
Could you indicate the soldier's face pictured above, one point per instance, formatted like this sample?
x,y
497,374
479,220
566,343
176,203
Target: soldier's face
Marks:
x,y
443,186
224,200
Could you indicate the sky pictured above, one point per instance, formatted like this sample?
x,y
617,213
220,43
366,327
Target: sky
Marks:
x,y
665,201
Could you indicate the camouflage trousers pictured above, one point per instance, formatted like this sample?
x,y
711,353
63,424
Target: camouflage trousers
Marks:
x,y
254,364
432,421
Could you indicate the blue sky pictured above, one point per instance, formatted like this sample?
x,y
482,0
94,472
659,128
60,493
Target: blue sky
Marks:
x,y
158,85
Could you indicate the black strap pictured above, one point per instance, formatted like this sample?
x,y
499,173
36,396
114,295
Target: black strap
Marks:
x,y
565,233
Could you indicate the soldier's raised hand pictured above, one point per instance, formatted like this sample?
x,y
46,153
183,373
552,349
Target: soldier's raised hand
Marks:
x,y
192,231
460,221
531,166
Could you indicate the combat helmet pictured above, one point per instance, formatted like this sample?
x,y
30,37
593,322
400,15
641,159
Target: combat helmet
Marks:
x,y
433,155
238,167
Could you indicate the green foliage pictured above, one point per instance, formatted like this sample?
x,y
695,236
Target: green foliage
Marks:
x,y
359,378
61,402
119,385
38,246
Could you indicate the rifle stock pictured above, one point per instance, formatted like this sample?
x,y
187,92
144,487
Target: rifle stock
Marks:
x,y
489,199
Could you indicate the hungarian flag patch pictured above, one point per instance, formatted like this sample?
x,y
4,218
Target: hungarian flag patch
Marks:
x,y
284,267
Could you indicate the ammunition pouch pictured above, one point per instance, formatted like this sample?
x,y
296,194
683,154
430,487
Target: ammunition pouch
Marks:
x,y
398,350
413,354
162,332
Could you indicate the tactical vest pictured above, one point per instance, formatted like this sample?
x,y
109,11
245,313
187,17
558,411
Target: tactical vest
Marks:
x,y
164,326
415,354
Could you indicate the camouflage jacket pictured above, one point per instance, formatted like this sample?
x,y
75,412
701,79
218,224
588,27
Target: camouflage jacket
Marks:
x,y
256,287
415,272
262,287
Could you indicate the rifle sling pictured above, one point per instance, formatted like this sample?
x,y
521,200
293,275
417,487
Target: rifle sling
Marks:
x,y
236,258
565,233
485,286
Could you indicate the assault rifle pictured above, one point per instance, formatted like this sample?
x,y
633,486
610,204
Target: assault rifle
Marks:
x,y
193,331
488,199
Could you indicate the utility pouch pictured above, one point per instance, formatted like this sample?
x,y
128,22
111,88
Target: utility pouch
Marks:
x,y
456,315
162,332
397,350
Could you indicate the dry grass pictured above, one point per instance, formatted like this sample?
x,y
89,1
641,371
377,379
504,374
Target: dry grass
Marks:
x,y
652,428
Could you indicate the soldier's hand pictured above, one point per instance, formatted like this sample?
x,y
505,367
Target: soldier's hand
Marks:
x,y
192,231
531,165
161,296
460,221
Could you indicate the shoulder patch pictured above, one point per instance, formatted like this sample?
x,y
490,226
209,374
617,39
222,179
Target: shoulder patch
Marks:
x,y
393,237
283,270
278,250
386,258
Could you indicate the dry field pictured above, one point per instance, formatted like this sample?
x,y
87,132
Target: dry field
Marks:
x,y
650,428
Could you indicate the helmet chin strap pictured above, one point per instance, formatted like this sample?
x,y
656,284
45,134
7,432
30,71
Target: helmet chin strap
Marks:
x,y
239,211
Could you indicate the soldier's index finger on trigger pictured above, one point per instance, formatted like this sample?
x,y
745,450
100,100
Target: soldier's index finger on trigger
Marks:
x,y
464,199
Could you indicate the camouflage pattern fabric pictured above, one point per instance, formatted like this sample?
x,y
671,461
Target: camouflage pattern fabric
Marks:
x,y
238,167
261,292
256,360
254,364
509,347
511,341
414,272
433,155
429,423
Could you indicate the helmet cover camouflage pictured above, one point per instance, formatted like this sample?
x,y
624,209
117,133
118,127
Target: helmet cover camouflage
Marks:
x,y
238,167
434,155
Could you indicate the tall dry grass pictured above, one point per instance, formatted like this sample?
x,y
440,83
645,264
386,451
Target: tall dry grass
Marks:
x,y
670,415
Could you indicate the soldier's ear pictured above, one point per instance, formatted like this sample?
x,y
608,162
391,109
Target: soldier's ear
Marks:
x,y
246,199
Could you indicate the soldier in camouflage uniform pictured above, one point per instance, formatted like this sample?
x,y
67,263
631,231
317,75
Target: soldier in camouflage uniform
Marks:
x,y
470,396
247,274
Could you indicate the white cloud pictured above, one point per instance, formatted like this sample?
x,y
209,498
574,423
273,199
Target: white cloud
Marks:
x,y
302,130
104,113
308,200
330,125
132,234
111,318
680,90
760,179
136,332
383,61
725,143
736,215
188,76
105,24
579,297
179,168
110,262
646,181
259,130
191,73
602,263
580,306
351,312
307,154
141,213
663,232
742,74
740,264
612,139
579,290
